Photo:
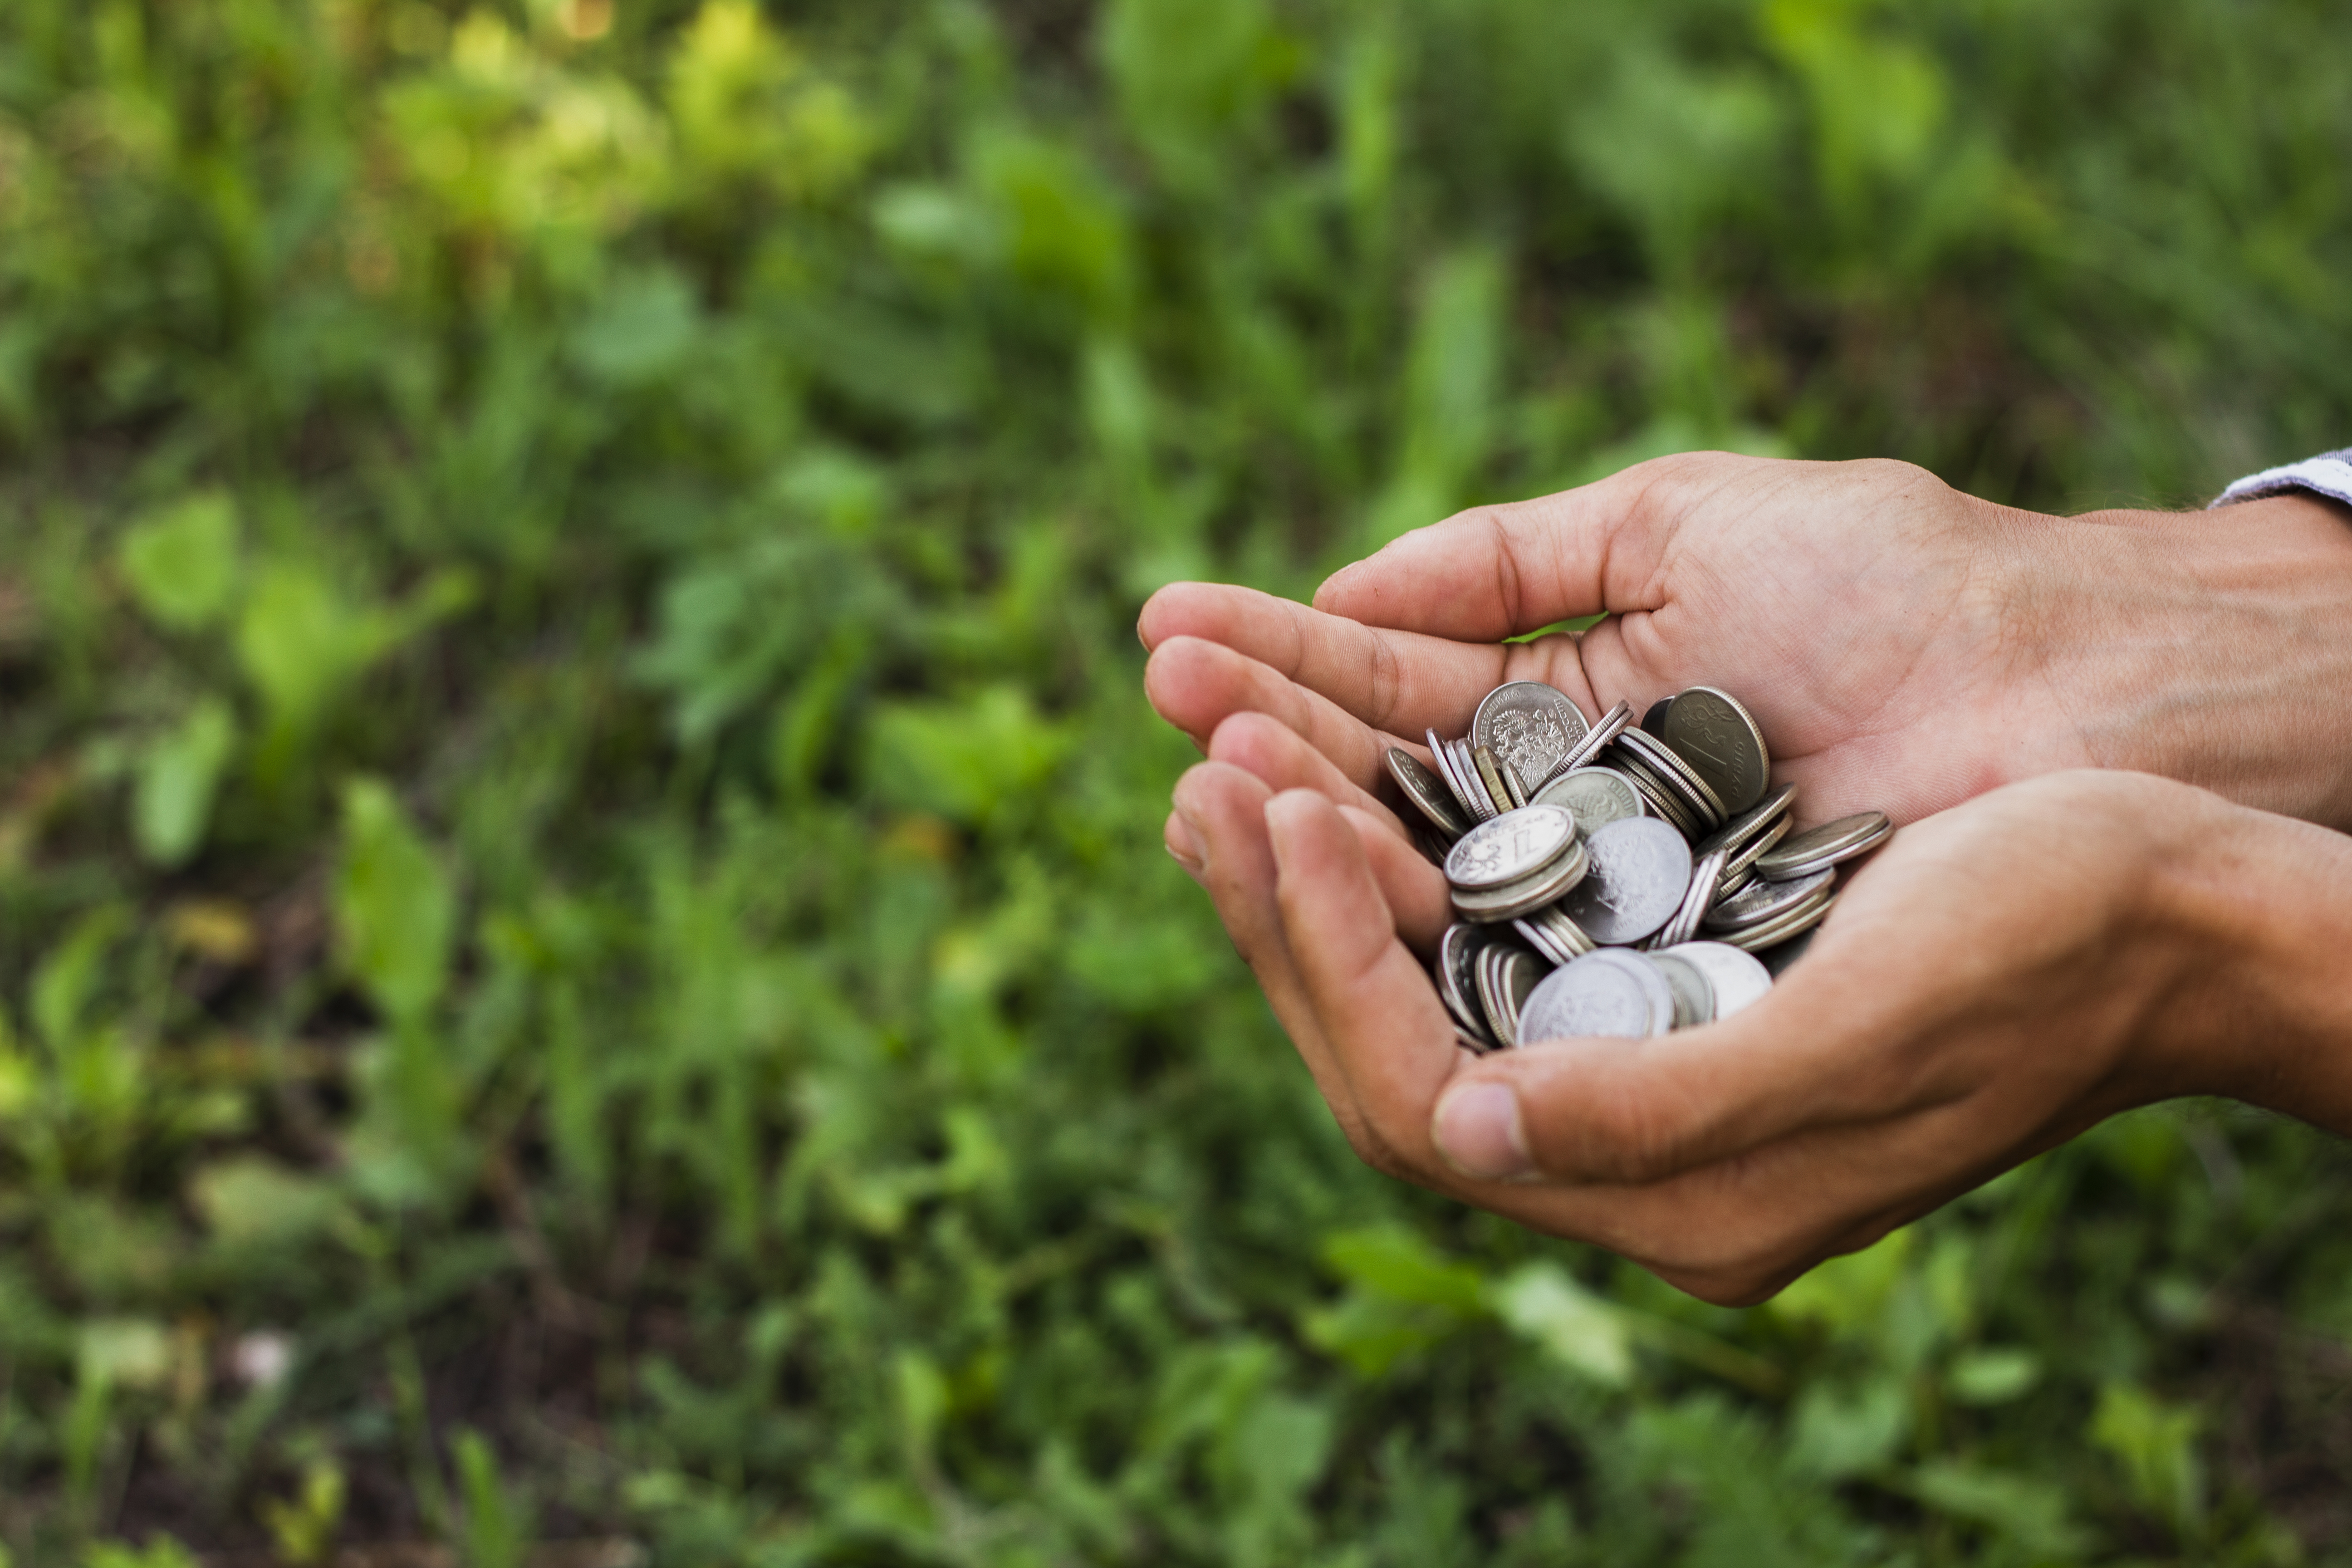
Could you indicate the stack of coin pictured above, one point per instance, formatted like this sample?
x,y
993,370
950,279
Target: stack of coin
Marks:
x,y
1587,860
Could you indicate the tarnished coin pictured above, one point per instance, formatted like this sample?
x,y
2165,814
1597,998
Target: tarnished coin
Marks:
x,y
1530,725
1761,901
1445,759
1506,975
1491,771
1513,899
1594,797
1753,822
1781,927
1654,718
1515,845
1694,993
1613,725
1831,844
1457,982
1466,768
1640,868
1679,775
1427,792
1711,732
1609,992
1739,979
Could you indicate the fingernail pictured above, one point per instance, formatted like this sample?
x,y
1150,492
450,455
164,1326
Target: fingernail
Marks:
x,y
1185,844
1479,1132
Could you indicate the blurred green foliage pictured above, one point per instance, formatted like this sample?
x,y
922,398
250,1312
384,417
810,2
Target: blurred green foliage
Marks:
x,y
585,952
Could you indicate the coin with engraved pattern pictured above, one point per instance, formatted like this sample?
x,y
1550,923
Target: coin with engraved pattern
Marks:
x,y
1529,725
1717,737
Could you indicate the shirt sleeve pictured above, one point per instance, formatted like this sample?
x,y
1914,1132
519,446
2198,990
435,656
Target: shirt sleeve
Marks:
x,y
2330,475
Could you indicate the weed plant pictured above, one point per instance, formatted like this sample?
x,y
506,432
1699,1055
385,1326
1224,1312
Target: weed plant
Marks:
x,y
585,952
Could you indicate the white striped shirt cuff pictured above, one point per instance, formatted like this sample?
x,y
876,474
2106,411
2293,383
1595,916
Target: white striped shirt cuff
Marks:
x,y
2329,474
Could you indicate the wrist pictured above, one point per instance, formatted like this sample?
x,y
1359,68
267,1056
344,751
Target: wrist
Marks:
x,y
2261,908
2210,647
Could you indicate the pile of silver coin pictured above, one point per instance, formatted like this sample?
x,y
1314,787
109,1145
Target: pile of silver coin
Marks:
x,y
1615,878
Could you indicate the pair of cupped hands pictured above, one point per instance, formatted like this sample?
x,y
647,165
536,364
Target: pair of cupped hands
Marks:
x,y
2109,741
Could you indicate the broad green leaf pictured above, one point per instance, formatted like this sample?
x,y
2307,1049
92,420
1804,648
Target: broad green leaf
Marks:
x,y
1397,1263
1994,1374
249,1200
181,561
178,775
2156,1446
124,1352
966,761
1545,1304
394,903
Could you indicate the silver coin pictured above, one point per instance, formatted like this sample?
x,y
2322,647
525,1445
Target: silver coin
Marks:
x,y
1654,718
1761,901
1608,993
1640,868
1684,780
1457,958
1554,935
1529,724
1694,993
1514,845
1831,844
1739,979
1506,975
1718,739
1613,725
1753,822
1736,867
1664,803
1466,768
1427,792
1529,893
1445,769
1782,927
1594,797
1706,871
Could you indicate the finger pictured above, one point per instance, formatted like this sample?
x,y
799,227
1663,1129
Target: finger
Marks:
x,y
1197,686
1812,1054
1223,810
1414,889
1387,1032
1498,571
1282,758
1402,682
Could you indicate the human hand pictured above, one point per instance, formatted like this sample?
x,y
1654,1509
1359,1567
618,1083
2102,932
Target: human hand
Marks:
x,y
1999,977
1903,646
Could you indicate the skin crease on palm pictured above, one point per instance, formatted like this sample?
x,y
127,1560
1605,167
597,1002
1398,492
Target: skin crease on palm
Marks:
x,y
2071,946
1905,646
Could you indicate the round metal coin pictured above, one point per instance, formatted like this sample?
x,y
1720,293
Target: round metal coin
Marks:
x,y
1613,725
1427,792
1711,732
1753,822
1466,768
1457,984
1780,928
1445,759
1607,993
1694,993
1515,845
1737,979
1594,797
1759,902
1653,718
1529,724
1513,899
1662,760
1506,975
1641,869
1831,844
1736,867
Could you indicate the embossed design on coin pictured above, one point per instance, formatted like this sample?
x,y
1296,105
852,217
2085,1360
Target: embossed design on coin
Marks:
x,y
1529,724
1594,797
1640,868
1428,793
1515,845
1609,993
1712,732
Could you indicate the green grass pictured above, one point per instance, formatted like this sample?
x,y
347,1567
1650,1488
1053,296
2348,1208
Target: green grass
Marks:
x,y
584,947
